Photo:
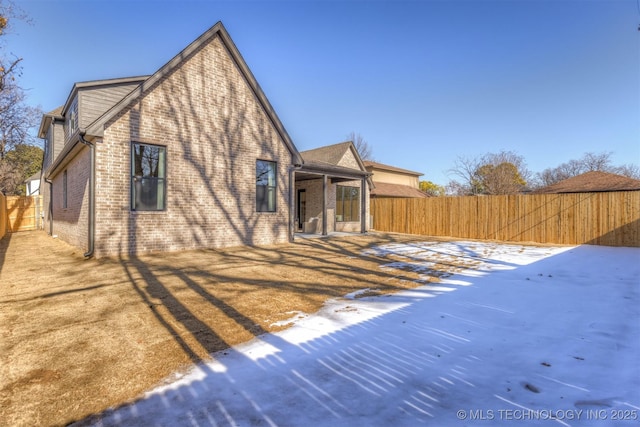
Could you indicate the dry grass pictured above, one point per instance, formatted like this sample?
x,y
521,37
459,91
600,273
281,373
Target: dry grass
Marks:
x,y
79,336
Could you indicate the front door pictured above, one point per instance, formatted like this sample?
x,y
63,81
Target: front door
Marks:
x,y
301,208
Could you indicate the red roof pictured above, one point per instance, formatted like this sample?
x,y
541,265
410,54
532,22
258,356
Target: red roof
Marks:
x,y
594,181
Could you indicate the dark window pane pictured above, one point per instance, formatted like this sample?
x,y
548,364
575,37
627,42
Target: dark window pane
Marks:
x,y
148,194
64,189
147,160
347,203
148,166
265,186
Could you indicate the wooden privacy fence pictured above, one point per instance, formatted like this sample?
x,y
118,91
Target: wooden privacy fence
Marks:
x,y
607,218
22,213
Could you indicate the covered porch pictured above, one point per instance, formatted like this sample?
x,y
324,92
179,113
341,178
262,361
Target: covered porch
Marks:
x,y
327,199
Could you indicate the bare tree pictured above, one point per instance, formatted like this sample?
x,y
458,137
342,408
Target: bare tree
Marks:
x,y
454,188
501,178
492,173
9,68
630,170
362,146
587,163
596,162
465,169
16,117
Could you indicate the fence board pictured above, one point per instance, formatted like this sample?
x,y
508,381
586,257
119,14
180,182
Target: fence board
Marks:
x,y
23,213
606,218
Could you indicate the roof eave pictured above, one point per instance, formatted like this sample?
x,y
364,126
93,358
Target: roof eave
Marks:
x,y
69,151
336,171
44,125
390,168
46,121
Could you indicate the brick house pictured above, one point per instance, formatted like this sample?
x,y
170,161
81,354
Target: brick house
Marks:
x,y
192,156
330,185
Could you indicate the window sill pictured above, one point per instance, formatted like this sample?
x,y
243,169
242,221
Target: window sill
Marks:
x,y
147,212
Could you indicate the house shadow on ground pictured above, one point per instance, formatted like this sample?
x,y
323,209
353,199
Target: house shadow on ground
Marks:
x,y
479,341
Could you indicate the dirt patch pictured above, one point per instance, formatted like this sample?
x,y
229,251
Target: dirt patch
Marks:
x,y
79,336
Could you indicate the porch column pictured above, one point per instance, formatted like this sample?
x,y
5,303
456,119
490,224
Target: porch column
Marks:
x,y
324,205
363,205
292,204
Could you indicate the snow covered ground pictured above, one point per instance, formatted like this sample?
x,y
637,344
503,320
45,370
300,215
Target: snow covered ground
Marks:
x,y
520,336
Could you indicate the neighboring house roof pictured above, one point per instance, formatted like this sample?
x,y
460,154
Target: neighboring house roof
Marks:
x,y
594,181
375,165
399,188
330,154
47,119
97,127
384,189
34,177
328,158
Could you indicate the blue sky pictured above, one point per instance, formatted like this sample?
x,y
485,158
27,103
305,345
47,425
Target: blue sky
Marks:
x,y
422,81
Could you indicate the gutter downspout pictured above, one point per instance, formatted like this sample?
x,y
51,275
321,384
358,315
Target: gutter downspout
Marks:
x,y
92,195
48,181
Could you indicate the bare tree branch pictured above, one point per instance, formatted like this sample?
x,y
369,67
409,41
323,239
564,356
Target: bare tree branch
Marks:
x,y
362,146
9,68
587,163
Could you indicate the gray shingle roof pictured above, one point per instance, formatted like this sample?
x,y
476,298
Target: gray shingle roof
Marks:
x,y
57,112
329,154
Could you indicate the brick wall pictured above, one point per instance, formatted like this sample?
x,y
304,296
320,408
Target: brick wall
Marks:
x,y
46,199
70,223
313,189
214,130
348,160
